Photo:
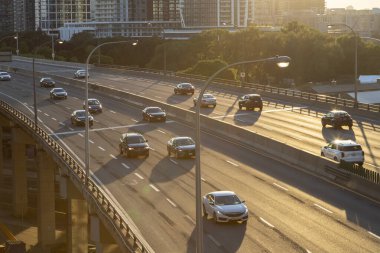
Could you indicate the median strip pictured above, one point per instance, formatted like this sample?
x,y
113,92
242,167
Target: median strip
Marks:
x,y
281,187
374,235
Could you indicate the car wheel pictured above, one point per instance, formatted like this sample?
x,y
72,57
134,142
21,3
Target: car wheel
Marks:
x,y
335,158
147,155
215,218
350,126
214,106
261,108
322,154
360,163
204,211
240,107
323,124
195,104
177,155
169,153
335,126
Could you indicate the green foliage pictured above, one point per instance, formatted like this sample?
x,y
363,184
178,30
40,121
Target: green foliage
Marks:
x,y
209,67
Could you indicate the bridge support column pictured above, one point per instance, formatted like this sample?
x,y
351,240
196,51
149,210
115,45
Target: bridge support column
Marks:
x,y
20,196
77,232
102,238
46,201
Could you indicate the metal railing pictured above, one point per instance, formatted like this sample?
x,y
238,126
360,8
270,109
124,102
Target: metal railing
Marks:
x,y
131,240
360,171
264,88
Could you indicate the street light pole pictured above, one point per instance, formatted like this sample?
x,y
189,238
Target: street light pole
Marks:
x,y
16,37
87,134
355,59
282,61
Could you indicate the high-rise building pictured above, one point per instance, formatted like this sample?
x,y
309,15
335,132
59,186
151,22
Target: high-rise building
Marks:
x,y
216,13
165,10
109,10
24,15
6,16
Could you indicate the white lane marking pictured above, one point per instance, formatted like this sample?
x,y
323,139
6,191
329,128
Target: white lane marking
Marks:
x,y
204,180
75,98
157,97
214,240
321,207
161,131
173,161
154,187
112,111
375,235
47,115
92,142
97,121
38,110
54,119
190,219
135,120
72,129
232,163
81,135
101,148
114,157
61,123
279,186
240,120
125,166
171,202
263,220
138,175
68,108
294,137
285,109
308,251
151,148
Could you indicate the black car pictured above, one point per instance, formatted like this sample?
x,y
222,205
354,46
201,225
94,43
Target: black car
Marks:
x,y
250,102
337,118
78,118
47,82
153,114
94,105
133,144
181,147
57,93
184,88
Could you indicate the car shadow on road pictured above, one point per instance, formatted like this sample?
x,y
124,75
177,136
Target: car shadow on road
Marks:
x,y
330,134
178,99
219,237
246,117
170,168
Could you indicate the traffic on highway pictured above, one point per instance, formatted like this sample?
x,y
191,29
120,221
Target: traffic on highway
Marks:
x,y
132,149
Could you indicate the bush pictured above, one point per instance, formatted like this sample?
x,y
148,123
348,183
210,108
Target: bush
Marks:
x,y
209,67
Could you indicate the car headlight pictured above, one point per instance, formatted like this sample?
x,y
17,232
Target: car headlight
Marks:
x,y
179,150
130,148
146,147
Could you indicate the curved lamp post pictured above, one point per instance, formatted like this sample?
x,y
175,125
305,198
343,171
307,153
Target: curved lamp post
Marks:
x,y
86,148
34,79
282,62
355,59
12,36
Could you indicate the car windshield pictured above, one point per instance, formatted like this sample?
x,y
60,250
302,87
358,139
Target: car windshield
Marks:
x,y
93,102
3,74
154,110
186,85
208,96
81,113
227,200
135,139
254,98
184,142
47,79
59,90
350,148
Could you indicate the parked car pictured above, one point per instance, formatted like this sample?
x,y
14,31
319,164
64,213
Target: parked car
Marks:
x,y
81,73
344,150
133,144
47,82
153,114
181,147
94,105
184,88
5,76
207,100
337,118
224,206
58,93
250,102
78,118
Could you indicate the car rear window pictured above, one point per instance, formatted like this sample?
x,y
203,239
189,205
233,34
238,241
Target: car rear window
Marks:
x,y
350,148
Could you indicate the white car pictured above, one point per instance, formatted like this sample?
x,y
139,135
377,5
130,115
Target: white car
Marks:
x,y
207,100
344,150
5,76
224,206
81,73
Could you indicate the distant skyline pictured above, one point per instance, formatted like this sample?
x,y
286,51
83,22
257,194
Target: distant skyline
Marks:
x,y
357,4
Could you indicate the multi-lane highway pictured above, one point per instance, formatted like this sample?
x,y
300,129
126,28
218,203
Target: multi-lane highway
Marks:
x,y
290,211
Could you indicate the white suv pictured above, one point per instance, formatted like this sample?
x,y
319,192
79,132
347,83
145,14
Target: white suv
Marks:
x,y
344,150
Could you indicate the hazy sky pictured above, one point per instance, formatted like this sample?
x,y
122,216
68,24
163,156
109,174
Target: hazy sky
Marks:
x,y
357,4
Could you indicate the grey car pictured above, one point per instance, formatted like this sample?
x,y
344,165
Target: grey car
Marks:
x,y
58,93
181,147
224,206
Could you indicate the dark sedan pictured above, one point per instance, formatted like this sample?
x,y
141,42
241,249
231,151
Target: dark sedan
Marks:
x,y
153,114
133,144
47,82
94,105
58,93
181,147
78,117
184,88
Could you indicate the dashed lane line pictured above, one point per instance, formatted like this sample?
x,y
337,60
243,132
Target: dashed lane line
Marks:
x,y
154,187
204,180
171,202
214,240
374,235
190,219
92,142
125,166
62,124
112,111
175,162
324,209
47,115
232,163
101,148
38,110
281,187
54,119
139,176
81,135
266,222
161,131
70,128
114,157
